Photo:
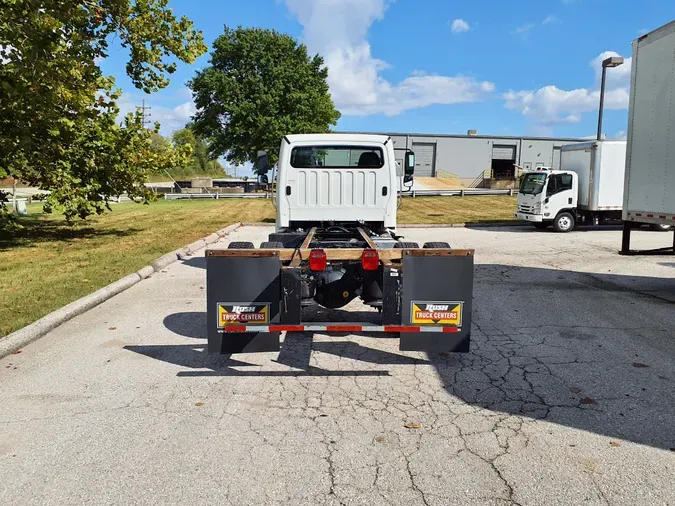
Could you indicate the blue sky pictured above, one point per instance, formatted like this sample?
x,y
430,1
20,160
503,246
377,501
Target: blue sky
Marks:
x,y
439,66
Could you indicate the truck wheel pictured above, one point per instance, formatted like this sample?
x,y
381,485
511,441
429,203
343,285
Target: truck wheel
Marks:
x,y
564,222
541,226
406,245
436,245
241,245
272,245
659,228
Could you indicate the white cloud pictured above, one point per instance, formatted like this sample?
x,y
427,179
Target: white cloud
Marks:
x,y
338,30
551,105
621,135
524,29
459,26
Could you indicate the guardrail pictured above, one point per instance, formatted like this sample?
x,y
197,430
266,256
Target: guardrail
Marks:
x,y
467,192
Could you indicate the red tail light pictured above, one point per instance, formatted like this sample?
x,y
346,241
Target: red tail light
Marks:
x,y
370,260
317,260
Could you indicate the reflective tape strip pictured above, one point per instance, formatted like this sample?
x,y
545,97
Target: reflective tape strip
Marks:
x,y
336,328
287,328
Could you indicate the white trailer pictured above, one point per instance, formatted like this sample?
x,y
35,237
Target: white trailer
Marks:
x,y
650,162
588,188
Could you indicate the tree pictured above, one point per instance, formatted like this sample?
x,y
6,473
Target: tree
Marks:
x,y
58,127
201,160
261,85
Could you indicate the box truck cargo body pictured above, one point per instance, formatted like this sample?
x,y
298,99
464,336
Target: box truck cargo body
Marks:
x,y
649,195
600,167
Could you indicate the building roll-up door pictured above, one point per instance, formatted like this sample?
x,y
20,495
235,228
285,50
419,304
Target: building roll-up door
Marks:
x,y
501,152
556,158
425,159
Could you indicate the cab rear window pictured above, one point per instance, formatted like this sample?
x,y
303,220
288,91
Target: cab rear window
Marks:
x,y
337,157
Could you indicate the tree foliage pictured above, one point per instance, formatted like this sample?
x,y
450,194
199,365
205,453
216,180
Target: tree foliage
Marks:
x,y
202,161
58,127
260,86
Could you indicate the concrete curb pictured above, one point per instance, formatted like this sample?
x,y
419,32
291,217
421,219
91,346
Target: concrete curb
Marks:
x,y
39,328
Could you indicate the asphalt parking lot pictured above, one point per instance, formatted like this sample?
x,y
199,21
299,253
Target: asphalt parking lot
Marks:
x,y
567,397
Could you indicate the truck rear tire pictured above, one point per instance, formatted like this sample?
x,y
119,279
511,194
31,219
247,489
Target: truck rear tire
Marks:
x,y
436,245
241,245
406,245
272,245
659,228
564,222
541,226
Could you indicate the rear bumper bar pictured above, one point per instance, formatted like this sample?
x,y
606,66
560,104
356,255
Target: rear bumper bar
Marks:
x,y
336,328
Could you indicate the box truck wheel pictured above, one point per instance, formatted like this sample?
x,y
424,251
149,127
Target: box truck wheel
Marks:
x,y
406,245
436,245
564,222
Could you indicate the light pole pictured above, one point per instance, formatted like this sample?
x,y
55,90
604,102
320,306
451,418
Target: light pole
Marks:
x,y
611,62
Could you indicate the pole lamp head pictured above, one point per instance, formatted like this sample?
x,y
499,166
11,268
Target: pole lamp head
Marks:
x,y
612,61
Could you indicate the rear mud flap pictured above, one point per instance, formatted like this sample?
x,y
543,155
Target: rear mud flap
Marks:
x,y
437,290
242,290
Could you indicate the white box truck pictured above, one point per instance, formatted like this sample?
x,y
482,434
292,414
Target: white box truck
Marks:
x,y
650,162
588,188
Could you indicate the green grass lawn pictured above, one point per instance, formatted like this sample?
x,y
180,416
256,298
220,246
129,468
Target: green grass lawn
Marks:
x,y
48,264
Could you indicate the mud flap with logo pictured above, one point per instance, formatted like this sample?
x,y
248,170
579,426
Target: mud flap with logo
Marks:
x,y
242,291
437,290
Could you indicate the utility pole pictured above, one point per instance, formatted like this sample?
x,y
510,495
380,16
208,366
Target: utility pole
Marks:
x,y
145,115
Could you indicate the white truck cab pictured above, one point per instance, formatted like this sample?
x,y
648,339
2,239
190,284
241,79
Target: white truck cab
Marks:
x,y
548,197
339,178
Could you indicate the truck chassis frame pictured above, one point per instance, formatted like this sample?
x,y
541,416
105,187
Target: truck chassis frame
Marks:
x,y
255,294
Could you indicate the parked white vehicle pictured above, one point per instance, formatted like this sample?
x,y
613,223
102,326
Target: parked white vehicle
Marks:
x,y
335,241
588,188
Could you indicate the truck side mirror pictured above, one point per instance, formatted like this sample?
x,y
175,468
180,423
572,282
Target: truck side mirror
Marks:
x,y
262,165
409,166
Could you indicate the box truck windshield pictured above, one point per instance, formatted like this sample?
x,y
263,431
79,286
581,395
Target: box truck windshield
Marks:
x,y
533,184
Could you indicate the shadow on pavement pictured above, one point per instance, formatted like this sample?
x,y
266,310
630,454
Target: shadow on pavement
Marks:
x,y
594,352
187,324
528,227
198,262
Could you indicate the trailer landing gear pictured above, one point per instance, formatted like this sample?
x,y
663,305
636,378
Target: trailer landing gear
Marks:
x,y
625,243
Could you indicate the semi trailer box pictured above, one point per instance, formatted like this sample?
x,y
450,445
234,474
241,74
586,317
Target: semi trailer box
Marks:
x,y
650,162
649,195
